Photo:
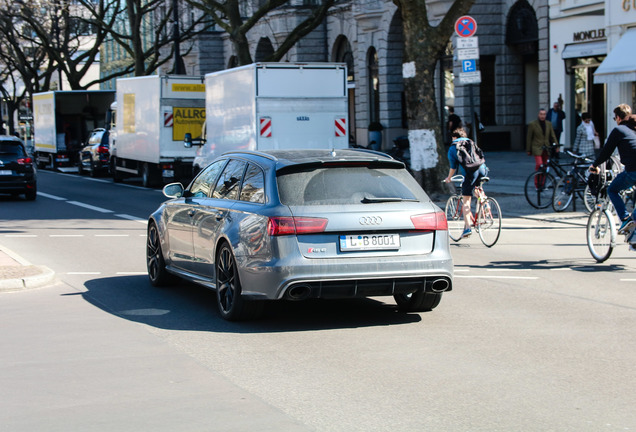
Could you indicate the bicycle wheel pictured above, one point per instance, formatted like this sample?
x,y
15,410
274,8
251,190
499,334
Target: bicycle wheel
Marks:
x,y
589,199
489,222
563,193
455,217
601,234
539,189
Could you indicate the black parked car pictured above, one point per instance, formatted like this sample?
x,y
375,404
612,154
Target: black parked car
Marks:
x,y
17,172
95,155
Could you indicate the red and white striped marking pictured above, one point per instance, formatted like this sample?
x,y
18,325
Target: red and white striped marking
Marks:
x,y
168,119
341,127
266,127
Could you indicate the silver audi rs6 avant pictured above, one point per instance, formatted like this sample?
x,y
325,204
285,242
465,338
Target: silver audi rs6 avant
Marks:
x,y
301,224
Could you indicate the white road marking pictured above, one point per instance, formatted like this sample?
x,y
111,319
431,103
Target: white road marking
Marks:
x,y
112,235
498,277
20,235
83,273
132,218
45,195
66,235
132,273
507,270
90,207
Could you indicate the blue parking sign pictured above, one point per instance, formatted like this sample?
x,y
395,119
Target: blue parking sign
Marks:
x,y
469,65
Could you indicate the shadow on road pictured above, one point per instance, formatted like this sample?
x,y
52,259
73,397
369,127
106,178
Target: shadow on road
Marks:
x,y
552,264
193,308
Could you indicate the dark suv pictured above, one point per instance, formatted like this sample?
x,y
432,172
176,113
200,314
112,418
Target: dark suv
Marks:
x,y
17,172
95,155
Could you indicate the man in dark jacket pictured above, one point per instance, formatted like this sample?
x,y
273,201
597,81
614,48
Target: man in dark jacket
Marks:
x,y
623,137
556,116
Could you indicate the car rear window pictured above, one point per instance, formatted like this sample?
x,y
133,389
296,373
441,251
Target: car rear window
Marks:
x,y
11,149
348,185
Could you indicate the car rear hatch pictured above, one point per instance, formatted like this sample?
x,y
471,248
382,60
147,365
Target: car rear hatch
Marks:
x,y
370,209
14,162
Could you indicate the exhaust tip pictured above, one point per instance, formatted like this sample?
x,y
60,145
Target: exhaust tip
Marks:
x,y
439,285
299,292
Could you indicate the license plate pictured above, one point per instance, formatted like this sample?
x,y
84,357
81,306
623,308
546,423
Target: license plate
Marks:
x,y
363,242
168,173
6,172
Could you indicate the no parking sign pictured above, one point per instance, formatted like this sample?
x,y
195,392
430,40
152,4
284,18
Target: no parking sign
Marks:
x,y
465,26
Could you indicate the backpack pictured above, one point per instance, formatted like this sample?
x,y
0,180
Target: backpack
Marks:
x,y
469,155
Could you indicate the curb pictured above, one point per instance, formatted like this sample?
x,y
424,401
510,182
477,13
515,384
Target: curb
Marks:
x,y
35,276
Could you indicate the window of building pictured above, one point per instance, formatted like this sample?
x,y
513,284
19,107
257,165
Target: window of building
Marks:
x,y
374,86
488,107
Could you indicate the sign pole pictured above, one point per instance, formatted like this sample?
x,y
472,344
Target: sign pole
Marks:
x,y
468,54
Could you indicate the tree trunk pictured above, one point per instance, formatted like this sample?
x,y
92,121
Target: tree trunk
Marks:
x,y
424,46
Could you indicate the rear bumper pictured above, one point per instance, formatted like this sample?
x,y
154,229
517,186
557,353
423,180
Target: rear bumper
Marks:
x,y
13,185
345,278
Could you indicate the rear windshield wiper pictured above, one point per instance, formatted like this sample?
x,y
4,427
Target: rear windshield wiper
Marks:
x,y
368,200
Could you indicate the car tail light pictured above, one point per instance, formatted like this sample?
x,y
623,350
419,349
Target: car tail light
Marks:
x,y
166,166
102,149
25,161
278,226
430,222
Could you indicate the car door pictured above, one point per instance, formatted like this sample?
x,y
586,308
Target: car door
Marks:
x,y
213,216
180,216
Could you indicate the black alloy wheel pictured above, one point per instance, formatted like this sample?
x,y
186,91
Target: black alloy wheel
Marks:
x,y
155,263
232,306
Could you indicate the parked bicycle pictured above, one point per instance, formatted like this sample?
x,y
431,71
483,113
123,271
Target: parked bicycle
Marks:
x,y
573,184
539,187
486,219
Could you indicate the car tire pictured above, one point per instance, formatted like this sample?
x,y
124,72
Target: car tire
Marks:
x,y
232,306
420,301
155,263
92,171
80,168
31,194
117,178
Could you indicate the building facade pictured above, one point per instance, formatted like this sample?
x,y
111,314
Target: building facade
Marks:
x,y
367,35
591,65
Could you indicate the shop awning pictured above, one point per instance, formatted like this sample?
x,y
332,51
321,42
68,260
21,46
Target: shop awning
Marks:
x,y
588,49
620,64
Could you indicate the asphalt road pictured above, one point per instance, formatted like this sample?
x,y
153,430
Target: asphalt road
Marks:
x,y
535,336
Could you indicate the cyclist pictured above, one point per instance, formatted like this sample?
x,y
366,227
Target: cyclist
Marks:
x,y
471,176
623,137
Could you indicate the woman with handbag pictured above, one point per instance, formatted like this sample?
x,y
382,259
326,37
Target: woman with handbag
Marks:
x,y
587,141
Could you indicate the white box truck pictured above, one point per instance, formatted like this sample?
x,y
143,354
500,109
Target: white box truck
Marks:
x,y
63,120
265,106
150,118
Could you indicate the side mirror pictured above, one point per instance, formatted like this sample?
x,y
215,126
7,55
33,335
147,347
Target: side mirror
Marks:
x,y
187,140
173,190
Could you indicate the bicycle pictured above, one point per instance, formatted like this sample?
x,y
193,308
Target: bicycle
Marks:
x,y
600,231
539,187
572,184
486,219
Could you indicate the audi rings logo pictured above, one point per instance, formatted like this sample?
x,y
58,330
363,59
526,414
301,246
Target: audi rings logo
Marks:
x,y
370,220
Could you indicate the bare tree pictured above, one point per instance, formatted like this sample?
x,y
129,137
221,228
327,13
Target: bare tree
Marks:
x,y
230,16
424,46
